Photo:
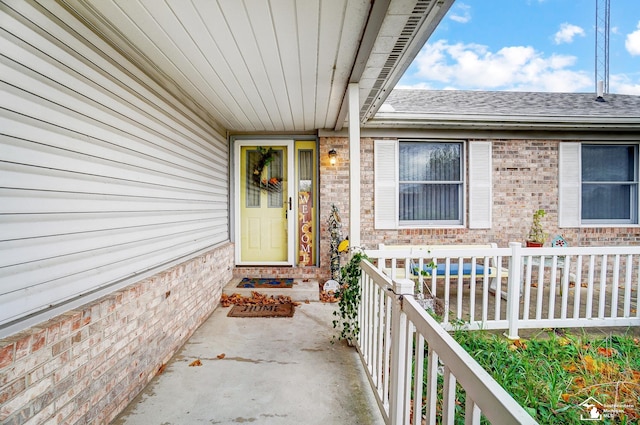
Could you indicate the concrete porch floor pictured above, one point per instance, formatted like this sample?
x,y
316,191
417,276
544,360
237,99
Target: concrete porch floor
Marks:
x,y
274,371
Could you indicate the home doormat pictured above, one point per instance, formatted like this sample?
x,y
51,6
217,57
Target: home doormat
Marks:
x,y
268,310
258,282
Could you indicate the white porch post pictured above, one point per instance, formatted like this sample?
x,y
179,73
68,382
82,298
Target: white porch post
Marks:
x,y
514,286
354,165
399,391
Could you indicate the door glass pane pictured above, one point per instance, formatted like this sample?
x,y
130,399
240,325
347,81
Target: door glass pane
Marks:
x,y
305,164
274,178
253,191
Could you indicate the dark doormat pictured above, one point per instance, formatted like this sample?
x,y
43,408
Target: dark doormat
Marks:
x,y
269,310
258,282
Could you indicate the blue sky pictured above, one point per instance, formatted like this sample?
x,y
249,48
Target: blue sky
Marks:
x,y
528,45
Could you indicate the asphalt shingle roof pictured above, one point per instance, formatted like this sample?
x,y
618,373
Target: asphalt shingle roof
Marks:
x,y
461,103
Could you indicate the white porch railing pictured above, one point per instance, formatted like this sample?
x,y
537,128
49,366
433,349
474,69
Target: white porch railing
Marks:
x,y
543,287
412,362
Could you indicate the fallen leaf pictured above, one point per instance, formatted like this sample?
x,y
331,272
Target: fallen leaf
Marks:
x,y
607,352
221,356
328,297
196,362
256,298
590,364
520,344
571,368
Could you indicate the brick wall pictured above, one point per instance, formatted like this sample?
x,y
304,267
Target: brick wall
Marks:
x,y
306,272
525,178
334,190
85,366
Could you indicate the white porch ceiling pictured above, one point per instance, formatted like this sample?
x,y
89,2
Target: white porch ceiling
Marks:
x,y
267,65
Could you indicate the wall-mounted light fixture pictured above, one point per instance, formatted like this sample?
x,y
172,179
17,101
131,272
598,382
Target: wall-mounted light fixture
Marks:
x,y
333,157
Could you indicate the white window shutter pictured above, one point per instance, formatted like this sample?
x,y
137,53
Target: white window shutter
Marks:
x,y
385,165
480,190
569,184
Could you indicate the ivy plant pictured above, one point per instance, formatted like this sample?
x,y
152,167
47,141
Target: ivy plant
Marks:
x,y
346,321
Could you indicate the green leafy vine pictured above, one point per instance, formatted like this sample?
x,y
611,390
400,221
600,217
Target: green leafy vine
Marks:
x,y
349,299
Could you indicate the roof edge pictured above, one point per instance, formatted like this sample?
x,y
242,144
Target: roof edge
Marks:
x,y
396,120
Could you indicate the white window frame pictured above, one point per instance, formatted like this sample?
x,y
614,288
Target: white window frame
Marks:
x,y
476,186
570,187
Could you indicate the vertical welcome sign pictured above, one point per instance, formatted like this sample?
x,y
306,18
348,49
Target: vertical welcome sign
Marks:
x,y
305,229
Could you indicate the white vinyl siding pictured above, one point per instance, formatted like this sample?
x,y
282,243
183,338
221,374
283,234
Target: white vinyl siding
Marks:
x,y
480,193
103,177
569,186
386,215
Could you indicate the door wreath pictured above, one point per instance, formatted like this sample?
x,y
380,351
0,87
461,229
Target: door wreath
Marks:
x,y
265,157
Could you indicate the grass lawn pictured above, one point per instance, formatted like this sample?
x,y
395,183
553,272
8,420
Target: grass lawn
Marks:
x,y
555,374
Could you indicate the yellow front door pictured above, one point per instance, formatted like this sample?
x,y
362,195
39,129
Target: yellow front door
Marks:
x,y
264,204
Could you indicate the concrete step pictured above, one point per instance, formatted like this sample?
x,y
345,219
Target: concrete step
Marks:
x,y
302,290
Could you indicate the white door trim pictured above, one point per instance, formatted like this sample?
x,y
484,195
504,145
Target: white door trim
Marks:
x,y
292,213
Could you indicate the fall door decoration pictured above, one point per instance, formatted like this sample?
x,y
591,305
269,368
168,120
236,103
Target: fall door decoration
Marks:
x,y
260,177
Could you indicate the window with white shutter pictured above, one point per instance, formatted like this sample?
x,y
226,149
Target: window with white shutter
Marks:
x,y
421,183
598,184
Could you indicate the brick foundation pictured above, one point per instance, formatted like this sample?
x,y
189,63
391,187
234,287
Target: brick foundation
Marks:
x,y
310,272
85,366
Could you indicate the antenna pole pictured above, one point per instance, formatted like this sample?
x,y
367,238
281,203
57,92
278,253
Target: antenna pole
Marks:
x,y
603,19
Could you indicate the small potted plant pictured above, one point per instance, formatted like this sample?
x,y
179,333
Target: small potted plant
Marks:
x,y
537,236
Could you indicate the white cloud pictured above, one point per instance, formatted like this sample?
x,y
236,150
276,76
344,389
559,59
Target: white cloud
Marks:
x,y
632,43
461,13
422,85
567,32
475,67
621,83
